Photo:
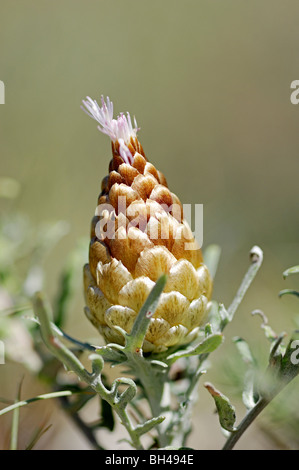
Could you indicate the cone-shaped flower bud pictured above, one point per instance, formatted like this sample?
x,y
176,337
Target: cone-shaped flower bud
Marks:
x,y
137,234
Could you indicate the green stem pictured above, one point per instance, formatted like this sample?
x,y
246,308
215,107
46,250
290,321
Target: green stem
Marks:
x,y
256,257
153,384
153,381
245,423
125,420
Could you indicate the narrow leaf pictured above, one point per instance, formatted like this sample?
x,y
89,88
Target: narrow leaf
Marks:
x,y
138,332
206,346
277,349
40,432
14,429
249,395
293,270
218,317
110,354
46,396
244,350
148,425
288,291
15,422
224,316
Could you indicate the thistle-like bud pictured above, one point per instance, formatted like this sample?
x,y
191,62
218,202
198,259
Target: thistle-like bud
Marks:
x,y
137,234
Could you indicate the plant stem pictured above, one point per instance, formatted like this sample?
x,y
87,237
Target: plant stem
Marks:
x,y
245,423
125,421
15,421
153,384
14,429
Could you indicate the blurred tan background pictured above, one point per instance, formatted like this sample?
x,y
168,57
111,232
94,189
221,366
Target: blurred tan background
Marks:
x,y
209,84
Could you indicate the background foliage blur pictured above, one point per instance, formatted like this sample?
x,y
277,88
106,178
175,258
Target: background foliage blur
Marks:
x,y
209,83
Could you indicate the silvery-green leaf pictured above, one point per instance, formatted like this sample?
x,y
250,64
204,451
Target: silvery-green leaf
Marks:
x,y
244,350
208,345
249,395
218,317
149,425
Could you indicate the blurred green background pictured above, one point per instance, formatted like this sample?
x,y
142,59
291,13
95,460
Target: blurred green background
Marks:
x,y
209,84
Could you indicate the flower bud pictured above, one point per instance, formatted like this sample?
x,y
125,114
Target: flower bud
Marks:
x,y
137,234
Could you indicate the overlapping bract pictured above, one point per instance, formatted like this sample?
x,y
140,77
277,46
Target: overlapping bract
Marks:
x,y
138,234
